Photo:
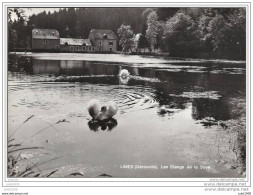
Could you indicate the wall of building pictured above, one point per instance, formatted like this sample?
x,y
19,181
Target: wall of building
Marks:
x,y
54,44
77,48
104,46
45,44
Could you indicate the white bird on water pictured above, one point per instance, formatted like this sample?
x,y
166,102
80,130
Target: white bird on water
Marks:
x,y
105,112
102,113
124,73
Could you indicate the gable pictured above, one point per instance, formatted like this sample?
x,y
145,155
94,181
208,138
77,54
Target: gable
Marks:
x,y
70,41
45,34
102,34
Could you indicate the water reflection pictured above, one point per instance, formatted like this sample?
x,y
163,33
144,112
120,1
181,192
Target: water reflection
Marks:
x,y
123,80
164,98
20,64
46,66
70,67
204,107
150,104
174,82
108,125
163,111
167,85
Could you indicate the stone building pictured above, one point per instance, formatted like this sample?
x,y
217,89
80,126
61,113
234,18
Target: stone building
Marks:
x,y
45,39
98,41
103,40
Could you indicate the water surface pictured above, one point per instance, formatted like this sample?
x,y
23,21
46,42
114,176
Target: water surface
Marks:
x,y
159,121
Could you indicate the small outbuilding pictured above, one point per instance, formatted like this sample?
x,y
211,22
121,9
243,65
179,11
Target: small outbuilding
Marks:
x,y
76,45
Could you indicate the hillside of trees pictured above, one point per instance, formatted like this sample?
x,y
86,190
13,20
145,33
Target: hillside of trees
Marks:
x,y
183,32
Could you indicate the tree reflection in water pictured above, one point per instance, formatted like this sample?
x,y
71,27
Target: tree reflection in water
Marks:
x,y
205,107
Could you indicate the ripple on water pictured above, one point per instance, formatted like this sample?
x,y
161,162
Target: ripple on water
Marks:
x,y
71,97
205,94
134,101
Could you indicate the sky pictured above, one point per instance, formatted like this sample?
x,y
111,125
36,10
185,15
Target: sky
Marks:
x,y
30,11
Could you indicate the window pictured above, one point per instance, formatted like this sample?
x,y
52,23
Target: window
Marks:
x,y
110,43
89,48
100,42
77,48
45,41
93,48
72,48
83,48
57,47
110,49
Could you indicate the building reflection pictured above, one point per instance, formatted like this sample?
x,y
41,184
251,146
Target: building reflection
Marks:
x,y
71,64
73,67
46,66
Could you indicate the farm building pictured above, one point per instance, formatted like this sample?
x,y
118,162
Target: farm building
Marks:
x,y
76,45
49,40
103,40
45,39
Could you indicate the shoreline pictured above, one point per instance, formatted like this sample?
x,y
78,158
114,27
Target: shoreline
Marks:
x,y
135,57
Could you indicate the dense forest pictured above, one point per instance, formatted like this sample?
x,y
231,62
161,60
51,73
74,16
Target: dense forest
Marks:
x,y
182,32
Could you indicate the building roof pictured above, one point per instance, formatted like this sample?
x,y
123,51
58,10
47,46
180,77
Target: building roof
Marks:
x,y
103,34
45,34
70,41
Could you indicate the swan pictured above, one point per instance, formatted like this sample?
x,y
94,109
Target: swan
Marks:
x,y
102,113
94,108
124,73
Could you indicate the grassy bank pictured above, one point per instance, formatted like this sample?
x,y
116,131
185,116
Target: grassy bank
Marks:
x,y
232,136
238,125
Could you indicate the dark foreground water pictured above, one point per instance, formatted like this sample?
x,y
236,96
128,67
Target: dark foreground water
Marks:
x,y
168,122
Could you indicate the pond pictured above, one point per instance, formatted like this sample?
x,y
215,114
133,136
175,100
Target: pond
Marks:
x,y
169,120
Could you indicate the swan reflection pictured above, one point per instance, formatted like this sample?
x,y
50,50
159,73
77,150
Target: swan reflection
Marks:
x,y
103,125
123,81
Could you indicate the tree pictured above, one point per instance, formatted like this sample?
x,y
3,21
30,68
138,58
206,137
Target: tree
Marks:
x,y
143,42
225,30
20,13
13,34
159,37
152,30
180,35
181,31
126,38
165,13
217,28
12,40
238,30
